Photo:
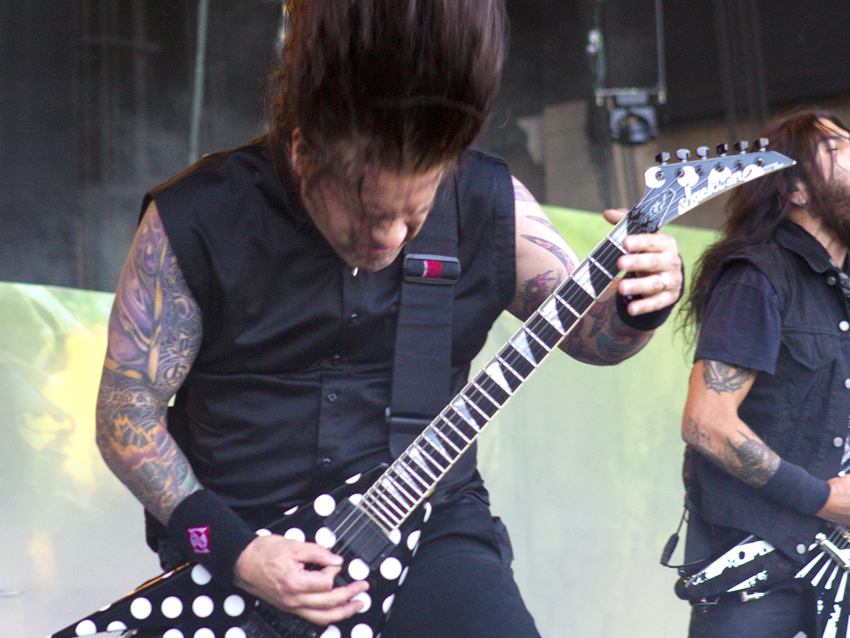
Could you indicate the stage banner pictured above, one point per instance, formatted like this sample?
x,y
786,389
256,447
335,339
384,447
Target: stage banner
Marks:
x,y
583,466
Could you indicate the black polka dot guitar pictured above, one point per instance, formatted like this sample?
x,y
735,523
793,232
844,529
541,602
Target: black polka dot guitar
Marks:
x,y
373,520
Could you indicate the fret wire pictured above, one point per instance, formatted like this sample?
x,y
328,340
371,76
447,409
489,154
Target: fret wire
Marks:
x,y
522,354
487,395
448,440
542,343
542,333
469,401
422,465
390,501
601,267
408,475
411,500
563,302
433,462
510,368
442,453
469,421
452,426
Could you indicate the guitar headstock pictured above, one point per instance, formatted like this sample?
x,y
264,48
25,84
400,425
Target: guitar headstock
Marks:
x,y
673,189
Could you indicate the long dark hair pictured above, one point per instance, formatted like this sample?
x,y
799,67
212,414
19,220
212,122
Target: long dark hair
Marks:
x,y
756,208
406,84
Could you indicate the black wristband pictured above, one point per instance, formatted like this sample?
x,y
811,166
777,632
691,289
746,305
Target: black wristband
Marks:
x,y
208,532
794,487
650,320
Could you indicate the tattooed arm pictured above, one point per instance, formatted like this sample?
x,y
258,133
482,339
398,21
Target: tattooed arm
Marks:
x,y
544,260
154,335
711,424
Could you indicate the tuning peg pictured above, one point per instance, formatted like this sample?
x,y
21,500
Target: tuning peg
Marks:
x,y
742,146
761,143
722,149
683,154
702,152
662,158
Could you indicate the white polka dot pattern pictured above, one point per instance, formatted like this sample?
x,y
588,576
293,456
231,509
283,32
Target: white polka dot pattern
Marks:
x,y
402,577
358,569
141,608
203,606
362,631
204,632
172,607
263,532
391,568
355,499
427,510
353,479
325,537
324,505
395,536
388,603
234,605
291,511
366,599
413,539
173,633
116,625
235,632
331,632
86,628
200,575
295,534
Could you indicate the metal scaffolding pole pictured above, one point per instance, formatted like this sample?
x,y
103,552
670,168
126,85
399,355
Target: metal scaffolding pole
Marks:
x,y
198,89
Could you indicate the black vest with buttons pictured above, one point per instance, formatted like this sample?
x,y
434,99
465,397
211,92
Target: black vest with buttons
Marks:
x,y
288,393
802,410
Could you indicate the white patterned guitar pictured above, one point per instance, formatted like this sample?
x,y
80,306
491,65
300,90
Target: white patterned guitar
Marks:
x,y
373,521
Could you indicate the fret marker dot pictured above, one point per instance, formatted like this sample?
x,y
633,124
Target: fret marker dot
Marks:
x,y
324,505
391,568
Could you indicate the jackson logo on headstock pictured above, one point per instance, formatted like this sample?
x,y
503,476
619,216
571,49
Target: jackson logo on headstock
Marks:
x,y
718,181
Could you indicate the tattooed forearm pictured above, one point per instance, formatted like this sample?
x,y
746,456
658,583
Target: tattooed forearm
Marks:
x,y
755,462
554,249
154,335
723,378
602,339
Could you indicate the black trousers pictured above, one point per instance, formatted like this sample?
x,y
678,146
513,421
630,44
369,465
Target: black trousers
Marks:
x,y
780,614
460,583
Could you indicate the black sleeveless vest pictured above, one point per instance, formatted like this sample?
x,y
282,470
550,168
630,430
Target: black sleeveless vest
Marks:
x,y
287,395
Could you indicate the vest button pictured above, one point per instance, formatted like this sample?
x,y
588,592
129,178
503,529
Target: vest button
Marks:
x,y
353,317
844,326
336,360
801,549
326,462
838,441
331,397
831,280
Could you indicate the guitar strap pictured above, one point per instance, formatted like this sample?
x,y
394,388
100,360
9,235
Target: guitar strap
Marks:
x,y
421,384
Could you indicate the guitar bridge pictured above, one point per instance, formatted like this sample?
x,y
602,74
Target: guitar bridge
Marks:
x,y
834,553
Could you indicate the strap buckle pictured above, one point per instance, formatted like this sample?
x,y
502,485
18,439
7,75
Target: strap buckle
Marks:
x,y
431,269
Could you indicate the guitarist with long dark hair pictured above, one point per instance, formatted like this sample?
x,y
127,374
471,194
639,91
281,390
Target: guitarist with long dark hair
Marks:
x,y
766,419
265,291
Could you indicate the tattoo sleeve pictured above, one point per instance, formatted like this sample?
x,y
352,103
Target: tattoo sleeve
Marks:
x,y
154,336
724,378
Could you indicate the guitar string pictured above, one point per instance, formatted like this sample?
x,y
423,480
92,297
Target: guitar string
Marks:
x,y
608,249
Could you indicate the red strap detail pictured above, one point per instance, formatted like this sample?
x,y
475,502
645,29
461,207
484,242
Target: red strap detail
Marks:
x,y
199,539
433,269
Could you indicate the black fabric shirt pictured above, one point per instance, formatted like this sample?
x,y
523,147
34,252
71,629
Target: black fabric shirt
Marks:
x,y
286,397
800,400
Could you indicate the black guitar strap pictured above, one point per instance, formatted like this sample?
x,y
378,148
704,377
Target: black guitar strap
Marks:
x,y
421,385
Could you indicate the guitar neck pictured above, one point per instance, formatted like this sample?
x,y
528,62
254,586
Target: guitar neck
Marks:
x,y
415,473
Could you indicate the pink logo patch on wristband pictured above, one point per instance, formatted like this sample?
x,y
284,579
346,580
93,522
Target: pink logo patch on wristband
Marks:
x,y
199,539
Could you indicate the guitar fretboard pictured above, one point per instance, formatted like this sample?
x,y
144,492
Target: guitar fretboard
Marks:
x,y
416,471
